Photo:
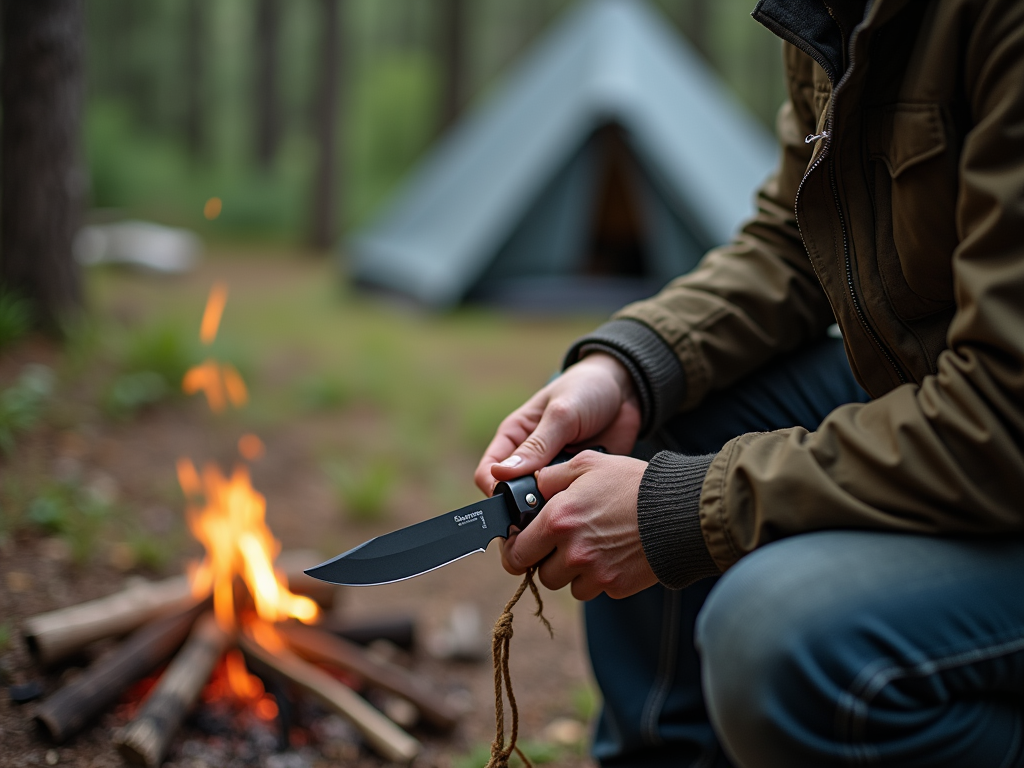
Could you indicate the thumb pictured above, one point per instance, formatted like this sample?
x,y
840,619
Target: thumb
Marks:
x,y
557,428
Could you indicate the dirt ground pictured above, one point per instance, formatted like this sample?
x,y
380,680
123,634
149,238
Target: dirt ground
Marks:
x,y
132,461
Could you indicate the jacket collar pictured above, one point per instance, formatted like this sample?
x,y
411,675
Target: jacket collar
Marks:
x,y
823,28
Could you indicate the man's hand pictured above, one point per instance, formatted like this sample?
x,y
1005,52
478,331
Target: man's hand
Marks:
x,y
593,400
587,533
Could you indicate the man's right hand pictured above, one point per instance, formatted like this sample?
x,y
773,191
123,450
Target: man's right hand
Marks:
x,y
593,401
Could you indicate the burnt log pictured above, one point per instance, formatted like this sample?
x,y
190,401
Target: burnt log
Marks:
x,y
318,646
72,707
382,735
399,630
146,739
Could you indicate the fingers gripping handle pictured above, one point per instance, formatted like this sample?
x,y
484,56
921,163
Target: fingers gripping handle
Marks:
x,y
522,496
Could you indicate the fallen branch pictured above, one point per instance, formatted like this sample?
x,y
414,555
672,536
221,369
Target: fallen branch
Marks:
x,y
145,740
99,686
319,646
386,738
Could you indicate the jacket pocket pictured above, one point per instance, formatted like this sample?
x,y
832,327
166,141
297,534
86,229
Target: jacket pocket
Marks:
x,y
915,185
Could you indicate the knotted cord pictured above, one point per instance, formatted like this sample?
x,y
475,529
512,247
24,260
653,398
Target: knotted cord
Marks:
x,y
502,638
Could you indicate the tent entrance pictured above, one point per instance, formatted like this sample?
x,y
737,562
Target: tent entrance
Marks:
x,y
617,243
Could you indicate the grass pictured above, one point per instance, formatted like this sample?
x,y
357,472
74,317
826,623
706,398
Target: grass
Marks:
x,y
538,752
72,512
362,493
15,317
22,405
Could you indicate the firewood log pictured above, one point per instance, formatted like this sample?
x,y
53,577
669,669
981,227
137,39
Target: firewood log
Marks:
x,y
382,735
54,636
145,740
65,712
318,646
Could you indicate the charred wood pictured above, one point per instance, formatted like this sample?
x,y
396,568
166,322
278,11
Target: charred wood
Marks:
x,y
65,713
382,735
318,646
145,740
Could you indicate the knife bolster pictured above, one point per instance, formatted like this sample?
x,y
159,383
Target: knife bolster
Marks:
x,y
518,493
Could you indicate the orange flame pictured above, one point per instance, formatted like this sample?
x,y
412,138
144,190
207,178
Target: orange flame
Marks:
x,y
211,315
220,384
231,526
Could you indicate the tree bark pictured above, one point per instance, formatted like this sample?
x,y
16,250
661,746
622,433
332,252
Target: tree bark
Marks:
x,y
452,45
326,193
42,182
268,110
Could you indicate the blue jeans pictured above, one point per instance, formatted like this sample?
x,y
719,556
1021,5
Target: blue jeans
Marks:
x,y
835,648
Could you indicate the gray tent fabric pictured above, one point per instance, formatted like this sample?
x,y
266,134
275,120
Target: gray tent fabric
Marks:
x,y
505,203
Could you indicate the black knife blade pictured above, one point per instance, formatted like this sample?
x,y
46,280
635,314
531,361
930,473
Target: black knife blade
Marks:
x,y
433,543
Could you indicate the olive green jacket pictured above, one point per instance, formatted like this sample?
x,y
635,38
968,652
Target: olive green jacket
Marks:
x,y
897,211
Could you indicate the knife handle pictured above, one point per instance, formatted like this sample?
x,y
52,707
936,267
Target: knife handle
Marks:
x,y
521,495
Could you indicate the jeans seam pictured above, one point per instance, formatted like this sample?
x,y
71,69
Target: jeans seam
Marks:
x,y
852,708
666,667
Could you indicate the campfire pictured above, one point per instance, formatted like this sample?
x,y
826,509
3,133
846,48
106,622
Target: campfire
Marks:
x,y
243,623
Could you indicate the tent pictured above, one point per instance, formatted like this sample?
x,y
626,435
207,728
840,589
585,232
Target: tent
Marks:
x,y
607,162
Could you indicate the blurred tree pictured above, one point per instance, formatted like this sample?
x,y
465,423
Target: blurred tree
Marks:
x,y
452,23
194,69
268,109
326,194
41,180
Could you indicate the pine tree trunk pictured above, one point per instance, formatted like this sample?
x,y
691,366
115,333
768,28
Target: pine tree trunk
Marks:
x,y
452,45
326,194
41,179
268,112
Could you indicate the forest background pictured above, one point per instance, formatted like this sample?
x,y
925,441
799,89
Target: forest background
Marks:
x,y
247,98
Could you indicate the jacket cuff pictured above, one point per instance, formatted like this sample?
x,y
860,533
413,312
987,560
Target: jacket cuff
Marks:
x,y
668,515
655,370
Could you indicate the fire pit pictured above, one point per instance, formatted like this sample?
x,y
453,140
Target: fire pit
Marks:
x,y
237,632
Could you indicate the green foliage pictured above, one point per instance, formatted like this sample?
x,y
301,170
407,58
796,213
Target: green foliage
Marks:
x,y
6,634
538,752
71,512
585,702
22,405
154,362
393,123
161,349
15,316
362,493
132,391
323,393
150,551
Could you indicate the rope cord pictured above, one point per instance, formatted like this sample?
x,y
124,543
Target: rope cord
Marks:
x,y
500,753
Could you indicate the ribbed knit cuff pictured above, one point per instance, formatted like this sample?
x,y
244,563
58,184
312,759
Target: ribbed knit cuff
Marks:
x,y
667,508
655,370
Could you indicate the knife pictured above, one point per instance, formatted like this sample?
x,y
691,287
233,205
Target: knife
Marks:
x,y
433,543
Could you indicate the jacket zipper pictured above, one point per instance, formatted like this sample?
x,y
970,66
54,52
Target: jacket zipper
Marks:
x,y
827,135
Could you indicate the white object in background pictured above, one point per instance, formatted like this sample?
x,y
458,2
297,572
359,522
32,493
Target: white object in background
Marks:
x,y
142,244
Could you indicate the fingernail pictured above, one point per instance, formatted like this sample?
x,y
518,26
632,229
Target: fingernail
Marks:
x,y
512,461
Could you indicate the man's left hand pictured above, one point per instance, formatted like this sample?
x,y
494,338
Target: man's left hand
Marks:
x,y
587,533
